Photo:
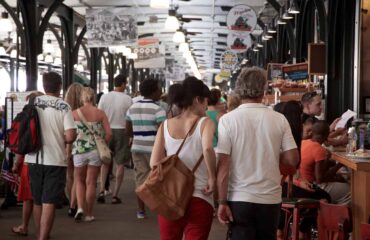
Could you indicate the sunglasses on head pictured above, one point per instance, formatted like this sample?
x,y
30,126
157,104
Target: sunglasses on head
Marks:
x,y
308,96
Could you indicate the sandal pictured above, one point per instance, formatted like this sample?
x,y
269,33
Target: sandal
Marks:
x,y
101,197
19,231
116,200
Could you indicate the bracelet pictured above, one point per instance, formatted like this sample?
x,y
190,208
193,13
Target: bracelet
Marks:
x,y
222,201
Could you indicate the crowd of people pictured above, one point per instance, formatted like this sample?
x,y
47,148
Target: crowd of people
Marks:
x,y
248,150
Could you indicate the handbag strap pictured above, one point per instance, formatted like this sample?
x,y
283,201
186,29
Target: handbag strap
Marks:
x,y
84,122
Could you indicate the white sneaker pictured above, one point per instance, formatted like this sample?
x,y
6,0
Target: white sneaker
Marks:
x,y
89,219
79,215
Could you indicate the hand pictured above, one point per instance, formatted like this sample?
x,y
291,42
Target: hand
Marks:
x,y
333,124
328,154
224,214
15,169
210,188
304,184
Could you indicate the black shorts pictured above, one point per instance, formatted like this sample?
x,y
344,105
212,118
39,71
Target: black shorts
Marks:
x,y
47,183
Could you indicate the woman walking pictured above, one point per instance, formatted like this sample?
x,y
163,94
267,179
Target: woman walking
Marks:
x,y
86,158
196,223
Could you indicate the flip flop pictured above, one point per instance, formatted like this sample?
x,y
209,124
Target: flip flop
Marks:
x,y
116,200
19,231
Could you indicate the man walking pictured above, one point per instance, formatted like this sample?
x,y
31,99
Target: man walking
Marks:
x,y
143,120
252,141
115,105
47,169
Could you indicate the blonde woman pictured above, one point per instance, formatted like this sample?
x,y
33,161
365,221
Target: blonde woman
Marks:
x,y
72,97
86,158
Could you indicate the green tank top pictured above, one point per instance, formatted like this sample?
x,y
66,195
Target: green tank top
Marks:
x,y
213,116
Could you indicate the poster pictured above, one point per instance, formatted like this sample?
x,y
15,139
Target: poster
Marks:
x,y
110,27
241,18
295,72
149,54
239,42
229,60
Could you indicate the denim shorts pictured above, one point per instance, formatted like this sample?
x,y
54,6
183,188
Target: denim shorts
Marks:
x,y
47,183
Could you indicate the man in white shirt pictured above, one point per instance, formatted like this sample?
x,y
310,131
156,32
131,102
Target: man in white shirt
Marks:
x,y
252,141
115,105
47,169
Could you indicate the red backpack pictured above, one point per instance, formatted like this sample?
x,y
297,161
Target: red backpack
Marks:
x,y
25,133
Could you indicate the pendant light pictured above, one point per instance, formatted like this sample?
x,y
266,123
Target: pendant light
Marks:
x,y
293,9
49,48
271,28
159,3
280,20
184,47
179,36
5,24
49,58
172,23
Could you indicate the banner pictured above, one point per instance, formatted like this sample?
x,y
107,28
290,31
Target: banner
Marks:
x,y
241,18
238,41
150,54
229,60
110,27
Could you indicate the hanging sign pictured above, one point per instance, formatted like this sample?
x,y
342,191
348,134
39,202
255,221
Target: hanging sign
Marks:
x,y
110,27
241,18
150,54
295,72
225,74
239,42
229,60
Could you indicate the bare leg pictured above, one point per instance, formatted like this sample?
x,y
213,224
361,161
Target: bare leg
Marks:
x,y
26,213
140,204
73,198
80,179
92,175
37,210
103,176
119,177
47,220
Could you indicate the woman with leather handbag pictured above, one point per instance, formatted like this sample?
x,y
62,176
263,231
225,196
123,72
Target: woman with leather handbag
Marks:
x,y
197,131
92,124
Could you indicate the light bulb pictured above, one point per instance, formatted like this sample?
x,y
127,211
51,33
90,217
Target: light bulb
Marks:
x,y
184,47
178,37
159,3
5,23
172,24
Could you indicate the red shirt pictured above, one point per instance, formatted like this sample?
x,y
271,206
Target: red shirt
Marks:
x,y
311,152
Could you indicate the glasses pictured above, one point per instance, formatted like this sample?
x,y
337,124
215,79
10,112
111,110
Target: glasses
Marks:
x,y
308,96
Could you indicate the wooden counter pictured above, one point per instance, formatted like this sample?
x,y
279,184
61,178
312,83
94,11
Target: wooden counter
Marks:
x,y
360,188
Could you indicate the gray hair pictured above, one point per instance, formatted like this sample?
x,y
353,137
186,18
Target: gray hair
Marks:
x,y
251,83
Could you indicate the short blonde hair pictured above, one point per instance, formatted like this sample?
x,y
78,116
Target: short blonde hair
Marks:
x,y
88,95
251,83
73,95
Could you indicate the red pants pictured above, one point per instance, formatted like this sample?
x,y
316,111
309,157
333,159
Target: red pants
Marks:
x,y
195,225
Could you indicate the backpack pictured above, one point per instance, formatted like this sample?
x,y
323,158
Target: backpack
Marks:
x,y
25,134
169,186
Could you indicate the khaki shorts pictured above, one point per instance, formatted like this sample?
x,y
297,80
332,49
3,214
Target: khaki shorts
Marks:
x,y
119,146
141,166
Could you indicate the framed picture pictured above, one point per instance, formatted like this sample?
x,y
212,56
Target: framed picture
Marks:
x,y
367,104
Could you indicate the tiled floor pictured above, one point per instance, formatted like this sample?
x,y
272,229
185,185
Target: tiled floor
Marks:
x,y
112,222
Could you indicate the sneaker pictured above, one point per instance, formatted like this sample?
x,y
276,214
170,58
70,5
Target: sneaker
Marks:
x,y
79,215
89,219
140,215
101,198
72,212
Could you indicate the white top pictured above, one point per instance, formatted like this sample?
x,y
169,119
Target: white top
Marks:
x,y
254,136
55,117
115,105
189,155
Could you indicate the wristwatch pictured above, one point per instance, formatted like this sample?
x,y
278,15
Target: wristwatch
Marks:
x,y
222,202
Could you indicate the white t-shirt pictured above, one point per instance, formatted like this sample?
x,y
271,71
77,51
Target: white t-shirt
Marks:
x,y
55,117
115,105
254,136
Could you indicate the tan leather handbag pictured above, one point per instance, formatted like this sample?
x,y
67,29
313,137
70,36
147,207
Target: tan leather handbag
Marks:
x,y
169,185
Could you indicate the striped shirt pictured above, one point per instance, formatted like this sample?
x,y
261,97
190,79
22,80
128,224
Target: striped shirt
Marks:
x,y
145,117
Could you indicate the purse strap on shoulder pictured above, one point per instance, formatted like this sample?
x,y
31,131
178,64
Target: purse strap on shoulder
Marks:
x,y
187,135
84,122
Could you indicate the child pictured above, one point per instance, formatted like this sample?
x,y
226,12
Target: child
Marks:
x,y
317,168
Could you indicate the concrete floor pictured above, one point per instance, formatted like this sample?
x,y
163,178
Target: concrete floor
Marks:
x,y
112,222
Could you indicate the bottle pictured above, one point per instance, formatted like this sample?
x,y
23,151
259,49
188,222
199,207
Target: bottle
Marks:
x,y
352,140
362,138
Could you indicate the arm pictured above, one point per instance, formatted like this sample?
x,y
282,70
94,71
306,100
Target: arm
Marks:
x,y
325,173
70,136
158,152
106,126
290,158
224,213
130,132
209,154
